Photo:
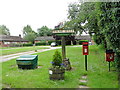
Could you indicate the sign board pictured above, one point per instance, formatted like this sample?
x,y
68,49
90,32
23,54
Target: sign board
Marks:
x,y
63,32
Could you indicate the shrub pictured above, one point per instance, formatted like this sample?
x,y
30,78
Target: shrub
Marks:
x,y
49,42
40,43
57,59
27,44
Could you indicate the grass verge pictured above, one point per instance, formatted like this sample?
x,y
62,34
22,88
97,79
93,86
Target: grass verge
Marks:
x,y
98,75
21,49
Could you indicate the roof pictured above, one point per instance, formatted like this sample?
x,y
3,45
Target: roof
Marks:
x,y
11,38
45,38
83,37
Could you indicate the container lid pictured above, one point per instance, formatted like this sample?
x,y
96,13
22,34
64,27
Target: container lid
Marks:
x,y
27,57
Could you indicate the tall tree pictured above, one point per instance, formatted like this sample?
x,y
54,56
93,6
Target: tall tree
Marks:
x,y
4,30
30,37
44,31
103,19
29,34
109,23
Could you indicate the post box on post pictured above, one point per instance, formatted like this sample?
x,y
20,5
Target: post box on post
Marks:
x,y
85,48
109,56
85,52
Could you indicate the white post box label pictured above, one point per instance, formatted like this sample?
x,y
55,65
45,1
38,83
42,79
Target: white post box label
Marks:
x,y
50,72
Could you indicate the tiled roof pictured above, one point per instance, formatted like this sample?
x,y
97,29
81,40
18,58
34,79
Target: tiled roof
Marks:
x,y
11,38
45,38
83,37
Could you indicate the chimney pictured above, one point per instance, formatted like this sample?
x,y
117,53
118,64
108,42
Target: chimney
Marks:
x,y
20,35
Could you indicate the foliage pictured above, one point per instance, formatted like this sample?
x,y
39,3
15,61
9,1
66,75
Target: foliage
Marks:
x,y
30,37
57,59
44,31
100,18
108,14
40,43
27,44
29,34
4,30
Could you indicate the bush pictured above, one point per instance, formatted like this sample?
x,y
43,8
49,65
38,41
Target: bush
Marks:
x,y
40,43
49,42
58,42
16,45
57,59
27,44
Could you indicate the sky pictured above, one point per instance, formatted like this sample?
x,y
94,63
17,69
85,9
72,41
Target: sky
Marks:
x,y
16,14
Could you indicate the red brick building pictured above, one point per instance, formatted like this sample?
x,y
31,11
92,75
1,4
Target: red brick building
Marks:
x,y
7,40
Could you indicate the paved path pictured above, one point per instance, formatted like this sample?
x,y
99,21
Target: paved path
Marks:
x,y
12,56
83,82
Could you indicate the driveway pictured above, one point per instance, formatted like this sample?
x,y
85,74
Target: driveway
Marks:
x,y
12,56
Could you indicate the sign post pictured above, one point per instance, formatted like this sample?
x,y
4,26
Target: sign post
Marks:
x,y
109,56
63,34
85,52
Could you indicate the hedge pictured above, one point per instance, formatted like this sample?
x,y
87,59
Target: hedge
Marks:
x,y
27,44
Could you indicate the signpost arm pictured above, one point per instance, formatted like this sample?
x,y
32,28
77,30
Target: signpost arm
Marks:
x,y
63,48
86,62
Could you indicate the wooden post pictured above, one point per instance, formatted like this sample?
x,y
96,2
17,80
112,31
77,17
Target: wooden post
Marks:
x,y
63,48
86,62
109,66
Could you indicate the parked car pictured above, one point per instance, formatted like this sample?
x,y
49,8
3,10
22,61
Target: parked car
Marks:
x,y
53,44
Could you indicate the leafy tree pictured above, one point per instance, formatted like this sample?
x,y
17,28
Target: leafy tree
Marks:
x,y
29,34
30,37
4,30
44,31
74,19
103,20
109,23
27,29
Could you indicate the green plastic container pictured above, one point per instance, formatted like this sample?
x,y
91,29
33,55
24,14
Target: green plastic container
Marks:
x,y
27,61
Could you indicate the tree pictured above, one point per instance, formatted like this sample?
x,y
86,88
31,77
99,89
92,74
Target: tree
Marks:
x,y
103,20
27,29
29,34
4,30
30,37
74,19
109,23
44,31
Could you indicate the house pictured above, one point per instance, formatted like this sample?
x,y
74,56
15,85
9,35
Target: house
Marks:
x,y
51,38
83,37
7,40
45,38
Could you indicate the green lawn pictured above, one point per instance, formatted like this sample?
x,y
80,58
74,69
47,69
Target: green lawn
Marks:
x,y
98,75
20,49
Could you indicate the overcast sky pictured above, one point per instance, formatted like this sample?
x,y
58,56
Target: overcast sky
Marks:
x,y
16,14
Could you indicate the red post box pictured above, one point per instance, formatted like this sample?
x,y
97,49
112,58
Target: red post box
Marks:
x,y
109,55
85,48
